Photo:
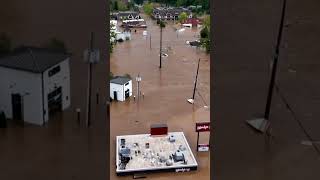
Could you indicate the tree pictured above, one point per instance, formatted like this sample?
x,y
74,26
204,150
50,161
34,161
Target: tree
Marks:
x,y
138,2
128,76
182,17
148,8
122,6
113,37
115,6
111,75
5,44
181,3
205,34
56,44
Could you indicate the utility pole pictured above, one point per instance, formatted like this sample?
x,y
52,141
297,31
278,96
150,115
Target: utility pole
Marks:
x,y
275,63
150,40
195,83
160,43
138,79
191,101
263,124
90,50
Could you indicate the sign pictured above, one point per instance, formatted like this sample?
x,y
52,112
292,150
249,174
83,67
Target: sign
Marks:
x,y
203,127
183,170
203,147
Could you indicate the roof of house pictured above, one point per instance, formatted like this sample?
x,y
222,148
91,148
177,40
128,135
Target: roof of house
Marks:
x,y
127,13
120,80
193,21
173,11
33,59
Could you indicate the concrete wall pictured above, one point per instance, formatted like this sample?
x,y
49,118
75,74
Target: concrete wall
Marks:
x,y
62,79
28,85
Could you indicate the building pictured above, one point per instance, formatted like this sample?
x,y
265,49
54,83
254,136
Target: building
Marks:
x,y
135,23
162,13
192,22
34,82
128,15
120,88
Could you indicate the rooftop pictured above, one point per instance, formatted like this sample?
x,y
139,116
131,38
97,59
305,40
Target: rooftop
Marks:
x,y
120,80
33,59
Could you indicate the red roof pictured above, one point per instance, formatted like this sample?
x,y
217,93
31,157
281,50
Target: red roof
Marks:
x,y
193,21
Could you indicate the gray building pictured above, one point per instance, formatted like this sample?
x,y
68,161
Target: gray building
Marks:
x,y
34,82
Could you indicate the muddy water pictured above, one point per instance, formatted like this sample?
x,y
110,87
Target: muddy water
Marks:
x,y
62,150
165,90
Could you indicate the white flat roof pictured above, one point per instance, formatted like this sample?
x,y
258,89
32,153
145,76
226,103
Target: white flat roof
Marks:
x,y
148,158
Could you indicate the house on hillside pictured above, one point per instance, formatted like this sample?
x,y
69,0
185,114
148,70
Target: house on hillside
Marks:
x,y
34,82
120,88
162,13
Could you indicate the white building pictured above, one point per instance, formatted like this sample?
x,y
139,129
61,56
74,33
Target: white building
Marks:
x,y
120,88
34,82
118,35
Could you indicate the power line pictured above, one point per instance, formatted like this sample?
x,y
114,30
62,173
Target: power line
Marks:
x,y
284,100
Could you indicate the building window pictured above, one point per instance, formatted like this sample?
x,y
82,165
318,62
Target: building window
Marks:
x,y
127,84
54,71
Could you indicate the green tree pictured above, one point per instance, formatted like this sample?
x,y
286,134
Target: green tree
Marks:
x,y
122,6
112,38
148,8
5,44
181,3
205,34
111,75
128,76
115,5
56,44
182,17
138,2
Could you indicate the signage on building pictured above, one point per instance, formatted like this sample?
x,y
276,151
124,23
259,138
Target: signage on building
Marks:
x,y
183,170
203,126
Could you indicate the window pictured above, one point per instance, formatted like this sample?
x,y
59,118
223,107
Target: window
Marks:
x,y
127,84
54,71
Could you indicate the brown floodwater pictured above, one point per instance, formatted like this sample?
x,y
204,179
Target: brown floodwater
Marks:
x,y
165,90
61,150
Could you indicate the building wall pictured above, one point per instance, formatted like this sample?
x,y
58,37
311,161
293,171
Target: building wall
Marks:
x,y
28,85
119,89
61,79
129,86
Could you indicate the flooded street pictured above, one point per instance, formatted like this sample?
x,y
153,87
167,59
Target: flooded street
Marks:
x,y
61,150
165,90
